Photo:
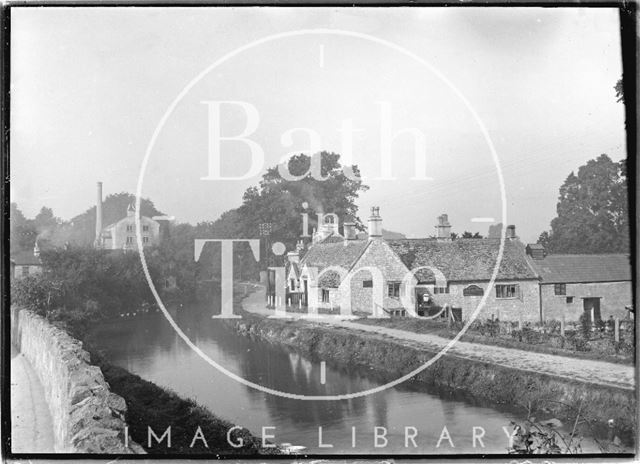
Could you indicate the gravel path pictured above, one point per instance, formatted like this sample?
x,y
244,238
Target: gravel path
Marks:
x,y
583,370
31,424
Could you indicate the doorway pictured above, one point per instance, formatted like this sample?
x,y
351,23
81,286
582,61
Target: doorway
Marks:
x,y
592,309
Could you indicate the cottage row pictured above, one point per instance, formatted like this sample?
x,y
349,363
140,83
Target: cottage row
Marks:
x,y
371,275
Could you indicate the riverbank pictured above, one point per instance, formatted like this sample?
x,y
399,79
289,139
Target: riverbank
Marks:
x,y
540,394
192,428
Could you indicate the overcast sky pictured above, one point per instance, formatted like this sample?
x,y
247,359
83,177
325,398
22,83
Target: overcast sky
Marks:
x,y
89,86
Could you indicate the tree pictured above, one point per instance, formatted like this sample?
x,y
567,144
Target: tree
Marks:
x,y
467,234
23,231
81,229
279,201
592,210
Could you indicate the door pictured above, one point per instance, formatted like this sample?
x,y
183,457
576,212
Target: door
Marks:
x,y
592,308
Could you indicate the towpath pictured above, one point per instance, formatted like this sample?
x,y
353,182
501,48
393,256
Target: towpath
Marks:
x,y
583,370
31,424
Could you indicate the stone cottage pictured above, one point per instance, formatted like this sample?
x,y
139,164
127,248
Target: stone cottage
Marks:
x,y
352,274
25,263
467,266
572,285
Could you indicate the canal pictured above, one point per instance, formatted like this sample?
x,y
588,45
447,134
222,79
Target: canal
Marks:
x,y
147,346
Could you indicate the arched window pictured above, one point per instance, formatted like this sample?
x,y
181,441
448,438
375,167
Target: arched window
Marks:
x,y
473,290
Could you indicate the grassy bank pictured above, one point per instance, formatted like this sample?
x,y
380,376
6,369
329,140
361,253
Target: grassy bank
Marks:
x,y
537,394
150,406
440,328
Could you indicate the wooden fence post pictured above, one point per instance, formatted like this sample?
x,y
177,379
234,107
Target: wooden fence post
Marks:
x,y
562,326
616,327
520,322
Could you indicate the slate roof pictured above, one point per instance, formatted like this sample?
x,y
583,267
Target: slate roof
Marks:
x,y
333,253
465,260
584,268
26,258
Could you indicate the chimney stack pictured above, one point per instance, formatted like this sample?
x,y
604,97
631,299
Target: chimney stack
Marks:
x,y
375,223
349,231
511,232
443,228
98,239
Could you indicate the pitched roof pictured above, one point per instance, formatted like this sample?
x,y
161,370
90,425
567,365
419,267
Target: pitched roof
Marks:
x,y
584,268
465,259
334,253
25,258
296,269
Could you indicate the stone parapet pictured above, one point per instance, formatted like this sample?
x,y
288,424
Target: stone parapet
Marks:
x,y
87,416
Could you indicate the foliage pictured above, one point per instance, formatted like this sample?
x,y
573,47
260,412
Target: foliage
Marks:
x,y
151,406
467,234
279,201
592,211
37,293
23,231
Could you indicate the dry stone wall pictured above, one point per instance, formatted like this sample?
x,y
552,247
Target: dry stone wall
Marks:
x,y
87,416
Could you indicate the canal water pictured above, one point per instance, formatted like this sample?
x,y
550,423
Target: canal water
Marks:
x,y
147,346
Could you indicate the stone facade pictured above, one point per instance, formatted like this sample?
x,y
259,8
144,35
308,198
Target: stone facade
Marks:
x,y
87,417
525,306
21,271
380,256
122,234
614,296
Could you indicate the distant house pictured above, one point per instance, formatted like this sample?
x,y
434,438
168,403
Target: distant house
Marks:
x,y
467,266
26,263
121,235
572,285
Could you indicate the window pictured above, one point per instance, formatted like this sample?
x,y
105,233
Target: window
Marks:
x,y
394,289
560,289
129,240
507,291
473,290
25,271
437,290
130,228
145,239
569,299
367,284
325,295
292,283
145,228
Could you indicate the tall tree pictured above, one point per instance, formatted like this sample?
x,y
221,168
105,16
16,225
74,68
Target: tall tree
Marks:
x,y
279,201
23,231
592,210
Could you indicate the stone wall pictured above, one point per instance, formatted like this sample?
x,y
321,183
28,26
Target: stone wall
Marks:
x,y
87,417
614,296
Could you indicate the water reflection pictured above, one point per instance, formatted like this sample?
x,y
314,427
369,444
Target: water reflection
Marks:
x,y
148,346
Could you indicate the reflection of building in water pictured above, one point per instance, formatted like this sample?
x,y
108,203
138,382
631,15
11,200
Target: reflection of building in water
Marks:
x,y
307,366
294,360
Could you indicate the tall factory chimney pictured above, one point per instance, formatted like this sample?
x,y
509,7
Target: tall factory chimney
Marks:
x,y
98,240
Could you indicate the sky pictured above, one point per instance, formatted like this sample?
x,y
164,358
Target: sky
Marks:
x,y
91,86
